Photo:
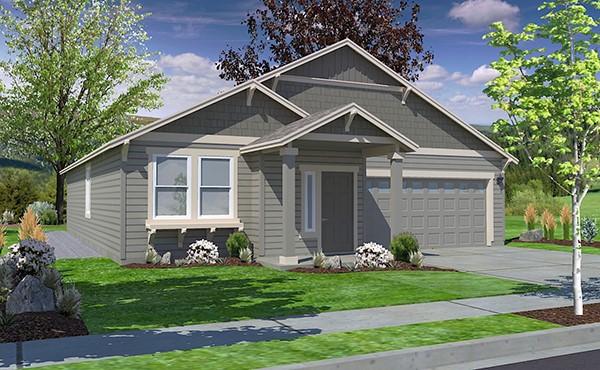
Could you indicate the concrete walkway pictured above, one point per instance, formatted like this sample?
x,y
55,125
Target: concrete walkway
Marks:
x,y
67,246
531,265
75,349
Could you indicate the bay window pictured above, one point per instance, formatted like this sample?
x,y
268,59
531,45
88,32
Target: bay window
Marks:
x,y
215,191
171,187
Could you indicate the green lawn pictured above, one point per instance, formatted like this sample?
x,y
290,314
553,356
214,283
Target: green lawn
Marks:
x,y
12,234
117,298
319,347
553,247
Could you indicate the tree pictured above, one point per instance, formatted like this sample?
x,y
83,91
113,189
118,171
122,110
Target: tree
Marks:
x,y
77,70
285,30
548,87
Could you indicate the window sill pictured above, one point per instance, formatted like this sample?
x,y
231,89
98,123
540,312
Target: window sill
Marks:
x,y
228,223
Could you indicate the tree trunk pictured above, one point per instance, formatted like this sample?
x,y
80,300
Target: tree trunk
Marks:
x,y
60,195
577,292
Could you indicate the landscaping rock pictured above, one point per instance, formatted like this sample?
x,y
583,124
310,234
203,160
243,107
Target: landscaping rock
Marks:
x,y
334,262
166,259
30,295
151,255
531,236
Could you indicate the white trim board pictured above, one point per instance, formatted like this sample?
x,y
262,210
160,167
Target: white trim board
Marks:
x,y
346,109
160,123
405,83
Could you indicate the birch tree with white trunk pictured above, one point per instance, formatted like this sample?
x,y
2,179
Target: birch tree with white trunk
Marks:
x,y
548,86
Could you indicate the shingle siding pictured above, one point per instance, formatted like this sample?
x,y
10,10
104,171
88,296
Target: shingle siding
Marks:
x,y
359,126
103,230
417,119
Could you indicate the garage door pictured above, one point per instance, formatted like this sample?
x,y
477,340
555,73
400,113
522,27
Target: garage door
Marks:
x,y
440,212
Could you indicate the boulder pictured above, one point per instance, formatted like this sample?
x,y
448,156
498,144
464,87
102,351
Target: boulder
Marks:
x,y
531,236
334,262
166,259
151,255
30,295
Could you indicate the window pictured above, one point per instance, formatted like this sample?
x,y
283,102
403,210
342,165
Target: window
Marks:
x,y
214,195
171,187
88,191
309,201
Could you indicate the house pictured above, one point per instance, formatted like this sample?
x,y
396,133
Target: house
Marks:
x,y
325,153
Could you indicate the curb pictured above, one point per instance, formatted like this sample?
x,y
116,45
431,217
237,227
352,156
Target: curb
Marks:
x,y
461,352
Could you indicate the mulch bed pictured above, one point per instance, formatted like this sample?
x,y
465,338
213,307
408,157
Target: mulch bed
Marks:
x,y
564,315
226,262
42,325
395,266
569,243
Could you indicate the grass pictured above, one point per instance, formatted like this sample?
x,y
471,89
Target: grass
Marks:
x,y
324,346
514,226
117,298
12,234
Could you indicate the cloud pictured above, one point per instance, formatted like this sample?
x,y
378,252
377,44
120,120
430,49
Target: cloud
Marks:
x,y
481,13
433,72
480,75
430,85
475,100
192,79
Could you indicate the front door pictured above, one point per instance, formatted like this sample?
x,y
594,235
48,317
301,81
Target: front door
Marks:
x,y
337,211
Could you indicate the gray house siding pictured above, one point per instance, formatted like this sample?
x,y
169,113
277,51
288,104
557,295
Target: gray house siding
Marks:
x,y
344,64
103,230
231,116
417,119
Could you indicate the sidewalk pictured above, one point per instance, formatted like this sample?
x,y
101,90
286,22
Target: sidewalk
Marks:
x,y
75,349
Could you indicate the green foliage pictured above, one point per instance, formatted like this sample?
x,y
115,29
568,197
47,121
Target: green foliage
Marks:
x,y
403,245
532,192
236,242
17,190
551,93
45,212
566,229
77,70
68,302
589,229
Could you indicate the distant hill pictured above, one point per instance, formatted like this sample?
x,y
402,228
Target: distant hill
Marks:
x,y
486,130
16,163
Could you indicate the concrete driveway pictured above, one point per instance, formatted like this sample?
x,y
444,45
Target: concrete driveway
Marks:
x,y
531,265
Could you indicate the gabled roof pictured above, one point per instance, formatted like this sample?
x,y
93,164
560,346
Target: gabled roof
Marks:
x,y
349,43
252,84
303,126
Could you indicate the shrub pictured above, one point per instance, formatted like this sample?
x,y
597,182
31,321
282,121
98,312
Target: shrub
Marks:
x,y
565,220
530,215
45,212
416,259
203,252
372,255
532,194
7,320
549,224
403,245
8,217
29,228
2,237
17,189
236,242
246,255
319,260
31,256
51,278
589,230
68,302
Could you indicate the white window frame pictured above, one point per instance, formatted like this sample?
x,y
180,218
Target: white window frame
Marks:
x,y
188,205
312,215
231,186
88,191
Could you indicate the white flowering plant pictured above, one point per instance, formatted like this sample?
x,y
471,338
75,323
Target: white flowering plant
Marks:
x,y
203,252
372,255
31,256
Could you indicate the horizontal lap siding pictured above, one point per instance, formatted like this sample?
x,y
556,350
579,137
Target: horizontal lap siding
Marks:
x,y
273,211
102,230
416,119
455,163
137,201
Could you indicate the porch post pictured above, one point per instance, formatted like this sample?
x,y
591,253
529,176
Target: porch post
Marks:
x,y
396,163
288,177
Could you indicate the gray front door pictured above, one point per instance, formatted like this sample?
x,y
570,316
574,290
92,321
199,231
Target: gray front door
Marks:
x,y
337,211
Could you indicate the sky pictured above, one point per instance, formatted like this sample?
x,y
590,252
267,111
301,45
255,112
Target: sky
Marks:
x,y
188,36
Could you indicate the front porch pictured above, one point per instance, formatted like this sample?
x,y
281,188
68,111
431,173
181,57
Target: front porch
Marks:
x,y
312,183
